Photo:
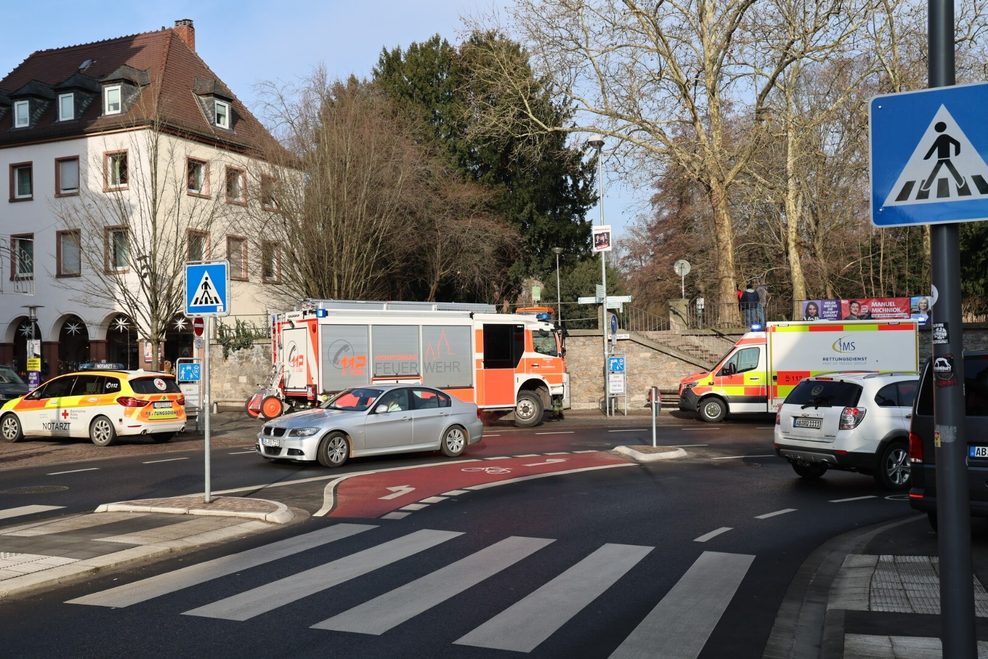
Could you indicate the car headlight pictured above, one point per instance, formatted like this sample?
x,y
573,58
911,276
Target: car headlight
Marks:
x,y
303,432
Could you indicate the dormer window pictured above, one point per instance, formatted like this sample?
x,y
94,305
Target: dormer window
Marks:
x,y
222,114
22,114
112,103
66,107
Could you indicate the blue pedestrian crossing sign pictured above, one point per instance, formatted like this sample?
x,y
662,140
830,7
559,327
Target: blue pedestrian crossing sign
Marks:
x,y
207,289
928,152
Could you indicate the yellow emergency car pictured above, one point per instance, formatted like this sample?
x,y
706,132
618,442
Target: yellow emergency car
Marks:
x,y
99,404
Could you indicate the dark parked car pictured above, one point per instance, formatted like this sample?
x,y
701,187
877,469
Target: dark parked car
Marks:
x,y
11,384
923,495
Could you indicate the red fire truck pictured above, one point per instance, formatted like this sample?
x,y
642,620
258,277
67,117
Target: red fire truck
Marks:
x,y
501,362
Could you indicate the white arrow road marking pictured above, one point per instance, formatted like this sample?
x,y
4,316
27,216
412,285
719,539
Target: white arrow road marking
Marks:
x,y
547,462
397,491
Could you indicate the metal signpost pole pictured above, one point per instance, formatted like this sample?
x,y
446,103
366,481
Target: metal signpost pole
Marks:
x,y
559,304
206,403
598,143
953,508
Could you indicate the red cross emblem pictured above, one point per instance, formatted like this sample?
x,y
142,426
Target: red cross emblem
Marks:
x,y
65,414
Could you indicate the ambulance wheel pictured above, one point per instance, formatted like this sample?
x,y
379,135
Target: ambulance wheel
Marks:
x,y
528,409
10,428
712,410
333,450
454,442
272,407
101,431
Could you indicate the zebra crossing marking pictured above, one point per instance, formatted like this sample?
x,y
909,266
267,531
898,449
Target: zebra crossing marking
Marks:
x,y
254,602
530,621
169,582
402,604
20,511
683,620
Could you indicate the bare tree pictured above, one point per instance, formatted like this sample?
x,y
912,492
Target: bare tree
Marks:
x,y
134,215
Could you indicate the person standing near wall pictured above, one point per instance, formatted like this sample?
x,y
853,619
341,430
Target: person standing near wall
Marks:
x,y
762,291
749,305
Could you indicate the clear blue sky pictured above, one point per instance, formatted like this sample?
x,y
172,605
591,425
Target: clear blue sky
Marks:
x,y
254,41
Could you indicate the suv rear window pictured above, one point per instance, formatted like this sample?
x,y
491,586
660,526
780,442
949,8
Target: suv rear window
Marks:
x,y
975,388
149,386
825,393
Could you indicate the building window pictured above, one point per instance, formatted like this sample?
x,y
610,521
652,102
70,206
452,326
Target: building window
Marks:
x,y
117,249
66,107
66,176
22,256
198,245
236,186
236,254
69,253
21,182
270,262
111,100
22,114
222,114
269,200
115,174
198,180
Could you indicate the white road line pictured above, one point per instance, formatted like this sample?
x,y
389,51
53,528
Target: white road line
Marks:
x,y
527,623
557,453
393,608
242,452
412,507
527,455
699,429
498,457
26,510
713,534
742,457
681,623
151,462
455,493
169,582
512,481
587,451
556,432
776,513
395,515
869,496
433,499
251,603
631,430
489,434
73,471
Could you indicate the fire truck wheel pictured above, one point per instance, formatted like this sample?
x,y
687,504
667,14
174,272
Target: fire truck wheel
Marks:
x,y
454,441
333,450
712,410
528,409
272,407
102,432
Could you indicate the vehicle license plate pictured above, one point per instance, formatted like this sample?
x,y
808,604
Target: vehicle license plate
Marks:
x,y
977,451
162,414
271,441
162,404
807,422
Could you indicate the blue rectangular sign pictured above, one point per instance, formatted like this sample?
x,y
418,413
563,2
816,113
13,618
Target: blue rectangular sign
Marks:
x,y
207,289
615,364
189,372
928,152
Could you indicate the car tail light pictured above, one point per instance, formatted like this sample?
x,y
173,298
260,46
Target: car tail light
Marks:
x,y
915,448
851,417
130,401
180,401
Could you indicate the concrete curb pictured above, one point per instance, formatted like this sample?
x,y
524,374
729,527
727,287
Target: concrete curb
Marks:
x,y
281,514
645,453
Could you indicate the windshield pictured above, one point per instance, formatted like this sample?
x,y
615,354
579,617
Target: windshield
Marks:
x,y
545,343
824,393
354,400
8,376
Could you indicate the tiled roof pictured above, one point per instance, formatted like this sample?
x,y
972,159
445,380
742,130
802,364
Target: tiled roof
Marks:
x,y
171,70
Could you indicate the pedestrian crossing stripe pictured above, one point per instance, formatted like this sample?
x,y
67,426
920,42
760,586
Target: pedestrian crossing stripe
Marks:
x,y
943,167
206,294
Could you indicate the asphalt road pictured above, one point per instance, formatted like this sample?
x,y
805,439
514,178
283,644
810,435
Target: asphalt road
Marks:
x,y
690,556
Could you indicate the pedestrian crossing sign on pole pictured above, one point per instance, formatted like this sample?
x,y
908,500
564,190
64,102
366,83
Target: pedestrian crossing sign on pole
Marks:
x,y
928,152
207,289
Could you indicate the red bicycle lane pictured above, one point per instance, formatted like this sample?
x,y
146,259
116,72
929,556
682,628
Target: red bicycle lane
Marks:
x,y
373,494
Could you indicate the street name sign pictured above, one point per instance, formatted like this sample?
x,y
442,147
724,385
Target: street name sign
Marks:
x,y
928,152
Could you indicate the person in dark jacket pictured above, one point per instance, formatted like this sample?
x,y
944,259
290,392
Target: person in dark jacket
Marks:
x,y
749,305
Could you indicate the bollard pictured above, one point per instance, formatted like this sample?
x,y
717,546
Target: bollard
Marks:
x,y
653,394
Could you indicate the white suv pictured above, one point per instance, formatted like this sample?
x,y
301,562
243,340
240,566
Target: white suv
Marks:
x,y
849,421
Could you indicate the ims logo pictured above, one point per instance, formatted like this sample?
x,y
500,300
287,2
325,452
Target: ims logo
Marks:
x,y
843,345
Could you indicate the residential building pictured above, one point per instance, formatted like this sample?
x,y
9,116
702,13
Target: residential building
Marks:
x,y
125,159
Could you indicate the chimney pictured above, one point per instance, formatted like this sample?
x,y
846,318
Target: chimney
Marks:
x,y
186,32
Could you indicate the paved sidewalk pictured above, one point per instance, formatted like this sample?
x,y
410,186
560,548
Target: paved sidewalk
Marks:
x,y
42,554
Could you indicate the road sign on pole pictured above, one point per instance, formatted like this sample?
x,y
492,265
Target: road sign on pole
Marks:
x,y
928,156
207,289
198,325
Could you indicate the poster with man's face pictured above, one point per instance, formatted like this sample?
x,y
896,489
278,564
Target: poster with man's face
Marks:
x,y
601,235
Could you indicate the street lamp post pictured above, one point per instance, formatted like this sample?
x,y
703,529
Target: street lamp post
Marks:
x,y
597,142
559,308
